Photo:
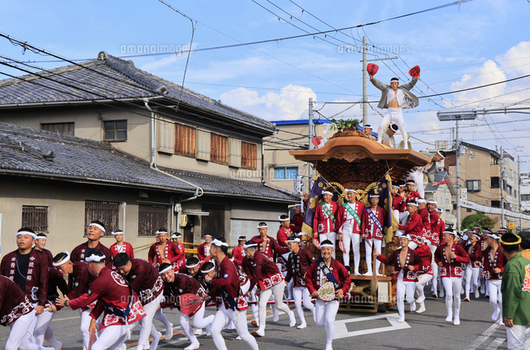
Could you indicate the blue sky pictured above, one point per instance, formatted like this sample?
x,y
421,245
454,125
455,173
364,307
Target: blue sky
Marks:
x,y
457,47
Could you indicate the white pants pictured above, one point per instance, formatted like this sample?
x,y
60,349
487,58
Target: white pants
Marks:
x,y
418,177
325,314
146,323
396,115
222,318
254,306
159,315
435,269
19,336
264,297
199,321
471,276
85,323
112,337
517,337
452,286
301,293
404,288
368,243
355,240
420,286
494,287
332,236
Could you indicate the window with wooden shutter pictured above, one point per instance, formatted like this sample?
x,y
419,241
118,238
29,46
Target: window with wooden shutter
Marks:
x,y
35,218
106,212
249,156
219,149
184,140
151,218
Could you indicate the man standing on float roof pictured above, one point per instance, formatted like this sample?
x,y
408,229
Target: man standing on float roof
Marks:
x,y
395,98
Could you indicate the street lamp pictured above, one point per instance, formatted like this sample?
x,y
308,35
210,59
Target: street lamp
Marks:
x,y
457,115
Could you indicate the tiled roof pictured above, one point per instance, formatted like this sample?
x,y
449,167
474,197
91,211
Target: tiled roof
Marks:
x,y
45,154
109,77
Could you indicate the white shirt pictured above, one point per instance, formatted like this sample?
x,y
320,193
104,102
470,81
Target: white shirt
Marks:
x,y
391,95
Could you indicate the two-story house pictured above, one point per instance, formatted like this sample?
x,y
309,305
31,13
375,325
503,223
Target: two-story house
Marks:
x,y
203,148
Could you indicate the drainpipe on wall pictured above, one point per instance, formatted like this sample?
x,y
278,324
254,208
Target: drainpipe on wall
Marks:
x,y
123,206
198,190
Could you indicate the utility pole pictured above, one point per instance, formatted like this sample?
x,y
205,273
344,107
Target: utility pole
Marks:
x,y
501,185
457,153
519,193
365,85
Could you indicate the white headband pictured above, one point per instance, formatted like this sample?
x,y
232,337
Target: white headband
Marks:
x,y
218,243
451,232
206,235
374,196
412,203
41,237
493,235
192,266
263,226
348,190
210,270
176,236
296,239
119,232
98,226
420,200
27,233
64,261
170,267
405,236
253,244
280,219
327,192
327,245
94,258
159,232
432,202
298,205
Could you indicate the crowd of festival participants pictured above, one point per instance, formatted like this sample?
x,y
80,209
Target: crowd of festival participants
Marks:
x,y
116,292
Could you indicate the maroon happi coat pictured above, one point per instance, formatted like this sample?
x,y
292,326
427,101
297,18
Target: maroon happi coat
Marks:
x,y
322,223
499,261
412,259
228,278
343,215
126,248
79,253
414,228
171,252
262,271
297,266
108,290
452,268
145,280
36,277
183,284
271,248
13,302
313,277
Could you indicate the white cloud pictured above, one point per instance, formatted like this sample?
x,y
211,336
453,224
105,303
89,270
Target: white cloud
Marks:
x,y
289,103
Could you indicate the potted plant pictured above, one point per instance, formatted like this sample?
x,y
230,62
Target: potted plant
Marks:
x,y
342,124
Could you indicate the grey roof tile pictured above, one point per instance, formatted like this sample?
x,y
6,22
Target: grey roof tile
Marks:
x,y
109,77
47,154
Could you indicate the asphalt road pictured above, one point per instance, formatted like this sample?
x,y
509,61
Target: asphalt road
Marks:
x,y
353,331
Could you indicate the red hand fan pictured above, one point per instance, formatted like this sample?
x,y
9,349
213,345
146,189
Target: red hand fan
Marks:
x,y
372,69
316,243
189,303
341,246
415,72
316,140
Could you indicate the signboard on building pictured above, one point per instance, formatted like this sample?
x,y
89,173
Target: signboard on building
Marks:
x,y
463,194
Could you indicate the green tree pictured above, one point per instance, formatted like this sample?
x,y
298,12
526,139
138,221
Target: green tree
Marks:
x,y
472,220
487,222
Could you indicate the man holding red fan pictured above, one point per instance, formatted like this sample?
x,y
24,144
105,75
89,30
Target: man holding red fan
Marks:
x,y
395,98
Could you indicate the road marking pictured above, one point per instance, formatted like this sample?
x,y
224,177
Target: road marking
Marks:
x,y
66,318
483,337
341,331
496,343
